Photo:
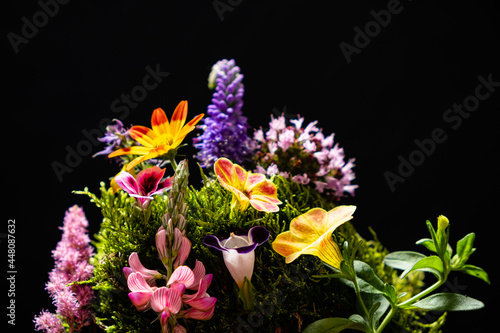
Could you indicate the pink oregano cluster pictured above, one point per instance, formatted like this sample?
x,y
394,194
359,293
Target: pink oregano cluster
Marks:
x,y
185,293
71,265
305,155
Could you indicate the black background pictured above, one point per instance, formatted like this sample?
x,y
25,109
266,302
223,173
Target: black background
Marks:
x,y
63,81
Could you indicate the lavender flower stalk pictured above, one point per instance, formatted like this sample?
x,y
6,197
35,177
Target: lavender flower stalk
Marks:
x,y
71,258
225,128
113,138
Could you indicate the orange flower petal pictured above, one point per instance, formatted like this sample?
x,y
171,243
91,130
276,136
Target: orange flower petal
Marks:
x,y
179,117
145,136
191,125
135,150
148,156
159,122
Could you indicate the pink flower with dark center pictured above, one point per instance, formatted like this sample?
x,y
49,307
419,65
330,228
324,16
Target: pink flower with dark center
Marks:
x,y
148,183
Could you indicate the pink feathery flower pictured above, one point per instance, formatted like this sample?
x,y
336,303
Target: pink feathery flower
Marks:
x,y
48,322
71,258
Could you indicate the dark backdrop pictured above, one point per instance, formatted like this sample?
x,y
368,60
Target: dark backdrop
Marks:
x,y
67,72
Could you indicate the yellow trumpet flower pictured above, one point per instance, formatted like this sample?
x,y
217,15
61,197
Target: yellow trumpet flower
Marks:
x,y
311,233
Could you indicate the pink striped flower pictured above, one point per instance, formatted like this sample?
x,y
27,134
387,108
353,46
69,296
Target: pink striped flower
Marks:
x,y
166,302
136,266
248,188
140,291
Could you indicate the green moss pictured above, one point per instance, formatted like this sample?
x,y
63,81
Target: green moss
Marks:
x,y
287,298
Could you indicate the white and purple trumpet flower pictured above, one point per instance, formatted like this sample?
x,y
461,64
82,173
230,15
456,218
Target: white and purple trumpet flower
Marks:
x,y
238,251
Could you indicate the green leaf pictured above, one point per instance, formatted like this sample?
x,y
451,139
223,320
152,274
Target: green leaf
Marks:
x,y
432,231
428,243
475,271
377,305
403,260
368,281
365,272
432,264
464,250
334,325
449,302
390,293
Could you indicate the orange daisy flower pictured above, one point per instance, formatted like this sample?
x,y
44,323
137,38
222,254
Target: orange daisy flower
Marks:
x,y
163,138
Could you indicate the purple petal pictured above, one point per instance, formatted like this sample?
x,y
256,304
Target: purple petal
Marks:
x,y
258,235
214,242
246,249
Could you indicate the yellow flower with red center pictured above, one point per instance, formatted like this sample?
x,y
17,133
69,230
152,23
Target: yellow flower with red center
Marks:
x,y
311,233
248,188
163,138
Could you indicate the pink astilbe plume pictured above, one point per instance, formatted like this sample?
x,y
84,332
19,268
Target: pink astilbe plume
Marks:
x,y
71,258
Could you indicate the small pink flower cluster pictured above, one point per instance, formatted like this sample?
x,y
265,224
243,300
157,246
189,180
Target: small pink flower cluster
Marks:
x,y
308,156
171,302
71,258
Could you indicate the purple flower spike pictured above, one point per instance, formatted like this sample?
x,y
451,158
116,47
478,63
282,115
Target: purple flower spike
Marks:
x,y
238,251
225,128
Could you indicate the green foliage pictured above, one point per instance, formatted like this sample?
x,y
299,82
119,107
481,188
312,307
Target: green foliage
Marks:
x,y
287,296
335,325
123,231
449,302
375,297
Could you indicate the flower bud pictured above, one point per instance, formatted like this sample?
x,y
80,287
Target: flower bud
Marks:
x,y
443,222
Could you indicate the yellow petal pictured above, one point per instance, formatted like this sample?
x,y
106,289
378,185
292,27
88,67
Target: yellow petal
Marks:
x,y
339,215
310,225
328,251
135,150
178,118
227,173
188,127
145,136
311,233
159,122
289,246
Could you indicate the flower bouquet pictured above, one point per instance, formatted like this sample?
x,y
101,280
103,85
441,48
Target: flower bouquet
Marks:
x,y
263,244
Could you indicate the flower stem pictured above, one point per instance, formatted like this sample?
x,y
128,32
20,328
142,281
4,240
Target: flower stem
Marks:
x,y
174,163
358,293
387,320
423,293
